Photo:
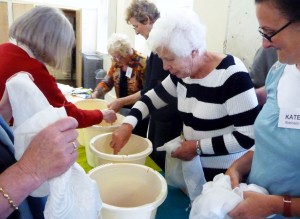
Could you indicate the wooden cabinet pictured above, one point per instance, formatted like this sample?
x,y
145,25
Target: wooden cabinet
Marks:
x,y
3,22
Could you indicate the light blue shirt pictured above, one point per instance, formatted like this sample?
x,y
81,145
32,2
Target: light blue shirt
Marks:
x,y
276,158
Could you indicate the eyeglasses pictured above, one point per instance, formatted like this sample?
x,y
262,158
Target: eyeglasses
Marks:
x,y
116,58
269,37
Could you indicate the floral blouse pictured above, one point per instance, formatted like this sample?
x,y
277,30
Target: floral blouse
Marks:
x,y
117,78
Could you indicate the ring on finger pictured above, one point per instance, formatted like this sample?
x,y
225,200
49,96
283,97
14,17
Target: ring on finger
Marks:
x,y
75,147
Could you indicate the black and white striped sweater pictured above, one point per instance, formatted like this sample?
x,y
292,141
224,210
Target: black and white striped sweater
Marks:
x,y
219,110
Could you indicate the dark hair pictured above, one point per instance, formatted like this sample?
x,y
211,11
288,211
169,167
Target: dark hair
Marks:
x,y
141,10
290,9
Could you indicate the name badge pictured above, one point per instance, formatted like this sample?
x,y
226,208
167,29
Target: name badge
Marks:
x,y
128,72
289,118
181,91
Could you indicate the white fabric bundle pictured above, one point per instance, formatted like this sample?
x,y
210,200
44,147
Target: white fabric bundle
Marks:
x,y
186,175
71,195
218,198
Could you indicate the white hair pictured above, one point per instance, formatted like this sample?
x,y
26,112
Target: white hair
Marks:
x,y
181,32
119,43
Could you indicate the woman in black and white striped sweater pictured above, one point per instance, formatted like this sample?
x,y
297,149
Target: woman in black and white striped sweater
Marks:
x,y
215,95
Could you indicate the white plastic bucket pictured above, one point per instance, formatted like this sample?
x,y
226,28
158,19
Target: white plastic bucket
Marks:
x,y
89,104
86,134
134,151
129,191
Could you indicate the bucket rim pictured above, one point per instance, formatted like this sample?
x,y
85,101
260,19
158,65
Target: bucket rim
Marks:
x,y
121,157
149,206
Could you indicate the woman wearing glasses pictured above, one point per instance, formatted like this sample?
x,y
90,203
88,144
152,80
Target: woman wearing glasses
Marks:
x,y
126,75
274,164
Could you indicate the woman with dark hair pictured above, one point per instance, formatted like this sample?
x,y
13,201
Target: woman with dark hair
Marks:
x,y
274,163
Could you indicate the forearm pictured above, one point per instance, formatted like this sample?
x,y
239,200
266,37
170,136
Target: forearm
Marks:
x,y
18,185
243,164
131,99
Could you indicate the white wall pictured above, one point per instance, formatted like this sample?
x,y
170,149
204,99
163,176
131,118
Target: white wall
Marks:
x,y
231,25
89,17
242,39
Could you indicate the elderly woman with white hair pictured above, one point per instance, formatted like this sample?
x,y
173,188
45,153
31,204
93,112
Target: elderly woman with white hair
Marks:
x,y
126,75
215,95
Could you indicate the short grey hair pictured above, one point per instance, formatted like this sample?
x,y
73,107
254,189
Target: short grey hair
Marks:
x,y
119,43
47,33
181,32
142,10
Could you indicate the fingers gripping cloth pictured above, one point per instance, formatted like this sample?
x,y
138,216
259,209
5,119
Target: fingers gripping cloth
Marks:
x,y
187,175
218,198
70,195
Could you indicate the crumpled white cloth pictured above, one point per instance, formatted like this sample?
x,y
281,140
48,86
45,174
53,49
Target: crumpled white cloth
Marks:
x,y
73,194
218,198
187,175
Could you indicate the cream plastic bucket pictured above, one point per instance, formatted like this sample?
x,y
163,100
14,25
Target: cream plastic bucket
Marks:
x,y
89,104
134,151
86,134
129,191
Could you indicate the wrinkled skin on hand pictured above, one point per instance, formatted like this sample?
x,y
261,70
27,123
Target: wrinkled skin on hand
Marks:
x,y
120,137
115,105
109,116
186,152
255,205
51,151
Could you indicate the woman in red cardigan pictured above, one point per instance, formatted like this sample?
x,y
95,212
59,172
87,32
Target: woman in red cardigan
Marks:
x,y
45,36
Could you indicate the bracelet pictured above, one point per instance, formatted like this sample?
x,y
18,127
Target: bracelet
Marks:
x,y
10,201
287,204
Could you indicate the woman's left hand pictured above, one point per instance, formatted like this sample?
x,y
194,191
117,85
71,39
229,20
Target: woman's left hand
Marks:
x,y
5,107
256,205
186,152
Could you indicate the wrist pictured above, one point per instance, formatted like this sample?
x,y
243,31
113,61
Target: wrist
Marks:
x,y
198,148
98,93
287,206
127,126
28,175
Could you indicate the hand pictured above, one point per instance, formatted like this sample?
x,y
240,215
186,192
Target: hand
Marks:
x,y
235,176
187,151
109,116
115,105
256,205
94,94
240,168
5,107
120,137
97,94
51,151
